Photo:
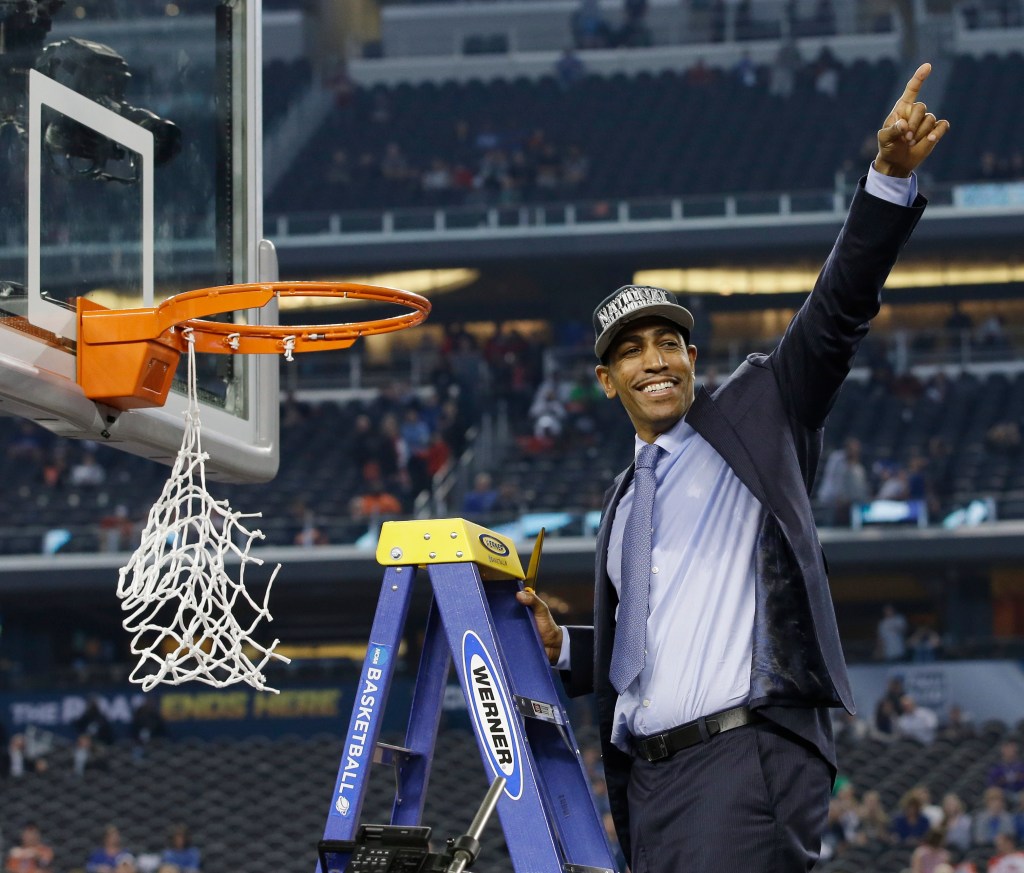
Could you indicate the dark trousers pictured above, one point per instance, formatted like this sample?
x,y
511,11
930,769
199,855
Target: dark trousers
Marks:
x,y
754,799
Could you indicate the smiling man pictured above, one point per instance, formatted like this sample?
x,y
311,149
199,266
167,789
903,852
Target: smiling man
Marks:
x,y
714,654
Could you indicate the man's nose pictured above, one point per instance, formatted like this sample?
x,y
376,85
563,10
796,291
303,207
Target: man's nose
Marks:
x,y
653,359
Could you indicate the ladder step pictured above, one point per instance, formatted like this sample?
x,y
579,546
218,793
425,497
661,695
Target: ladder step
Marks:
x,y
385,753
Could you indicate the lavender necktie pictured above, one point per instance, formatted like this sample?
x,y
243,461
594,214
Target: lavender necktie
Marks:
x,y
630,650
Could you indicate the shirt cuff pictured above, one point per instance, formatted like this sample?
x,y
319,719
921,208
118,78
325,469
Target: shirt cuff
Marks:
x,y
563,655
902,192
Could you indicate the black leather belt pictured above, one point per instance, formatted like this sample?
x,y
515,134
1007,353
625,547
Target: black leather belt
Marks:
x,y
700,730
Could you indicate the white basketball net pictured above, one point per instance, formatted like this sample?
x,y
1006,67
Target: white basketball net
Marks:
x,y
180,598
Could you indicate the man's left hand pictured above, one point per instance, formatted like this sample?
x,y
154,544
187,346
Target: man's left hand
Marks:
x,y
910,131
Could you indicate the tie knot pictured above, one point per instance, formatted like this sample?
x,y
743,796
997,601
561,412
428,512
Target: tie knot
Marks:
x,y
648,456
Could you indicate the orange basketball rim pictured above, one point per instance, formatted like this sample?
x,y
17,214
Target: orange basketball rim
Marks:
x,y
127,357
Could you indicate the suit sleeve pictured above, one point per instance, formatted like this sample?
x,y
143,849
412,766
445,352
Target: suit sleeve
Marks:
x,y
579,678
816,352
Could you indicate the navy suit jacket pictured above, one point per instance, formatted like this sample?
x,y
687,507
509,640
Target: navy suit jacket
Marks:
x,y
766,422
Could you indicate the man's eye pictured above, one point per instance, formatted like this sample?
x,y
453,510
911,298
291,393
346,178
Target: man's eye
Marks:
x,y
671,345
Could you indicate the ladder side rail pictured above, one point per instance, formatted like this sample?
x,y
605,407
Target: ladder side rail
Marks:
x,y
566,785
424,719
368,706
497,725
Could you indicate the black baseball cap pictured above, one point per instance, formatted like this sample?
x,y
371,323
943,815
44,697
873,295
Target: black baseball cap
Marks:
x,y
631,302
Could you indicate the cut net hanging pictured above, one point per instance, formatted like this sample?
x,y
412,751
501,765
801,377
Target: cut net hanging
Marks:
x,y
190,619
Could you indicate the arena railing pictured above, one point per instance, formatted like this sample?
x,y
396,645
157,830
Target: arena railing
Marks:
x,y
566,218
581,217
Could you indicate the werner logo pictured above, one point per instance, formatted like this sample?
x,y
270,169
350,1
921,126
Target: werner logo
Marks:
x,y
491,712
494,545
361,729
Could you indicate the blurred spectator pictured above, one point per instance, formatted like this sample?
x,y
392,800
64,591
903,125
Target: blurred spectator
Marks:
x,y
916,722
1003,437
438,178
88,473
85,755
845,814
1008,858
394,165
147,725
700,75
958,726
958,325
438,454
784,69
107,857
309,533
745,70
891,635
55,467
875,824
374,502
992,333
339,171
180,856
992,819
919,484
482,499
844,483
931,853
924,644
365,446
94,723
589,28
29,752
894,482
885,719
31,855
634,32
909,825
575,167
1008,772
17,763
547,412
826,73
117,530
956,822
569,69
851,729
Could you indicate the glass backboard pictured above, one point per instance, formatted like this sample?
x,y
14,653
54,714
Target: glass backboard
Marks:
x,y
129,172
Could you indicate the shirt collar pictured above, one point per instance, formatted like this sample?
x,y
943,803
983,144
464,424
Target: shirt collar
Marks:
x,y
670,442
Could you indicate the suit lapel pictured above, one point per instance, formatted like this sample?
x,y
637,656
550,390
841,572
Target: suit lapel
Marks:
x,y
707,419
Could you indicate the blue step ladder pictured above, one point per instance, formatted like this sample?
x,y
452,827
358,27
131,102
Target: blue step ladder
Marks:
x,y
546,808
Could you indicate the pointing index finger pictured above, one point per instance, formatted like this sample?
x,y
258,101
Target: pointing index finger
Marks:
x,y
914,85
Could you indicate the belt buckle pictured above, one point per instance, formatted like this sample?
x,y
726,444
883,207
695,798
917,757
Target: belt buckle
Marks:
x,y
657,748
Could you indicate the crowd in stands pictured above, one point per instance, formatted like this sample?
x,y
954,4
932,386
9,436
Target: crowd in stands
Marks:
x,y
938,441
551,140
33,855
983,833
34,752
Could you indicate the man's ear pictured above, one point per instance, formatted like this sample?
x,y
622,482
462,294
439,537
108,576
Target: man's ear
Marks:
x,y
692,352
604,376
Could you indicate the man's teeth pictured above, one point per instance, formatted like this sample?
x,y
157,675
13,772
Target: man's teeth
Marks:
x,y
657,386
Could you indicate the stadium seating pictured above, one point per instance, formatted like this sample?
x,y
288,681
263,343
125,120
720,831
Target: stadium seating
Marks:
x,y
645,135
566,474
260,804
